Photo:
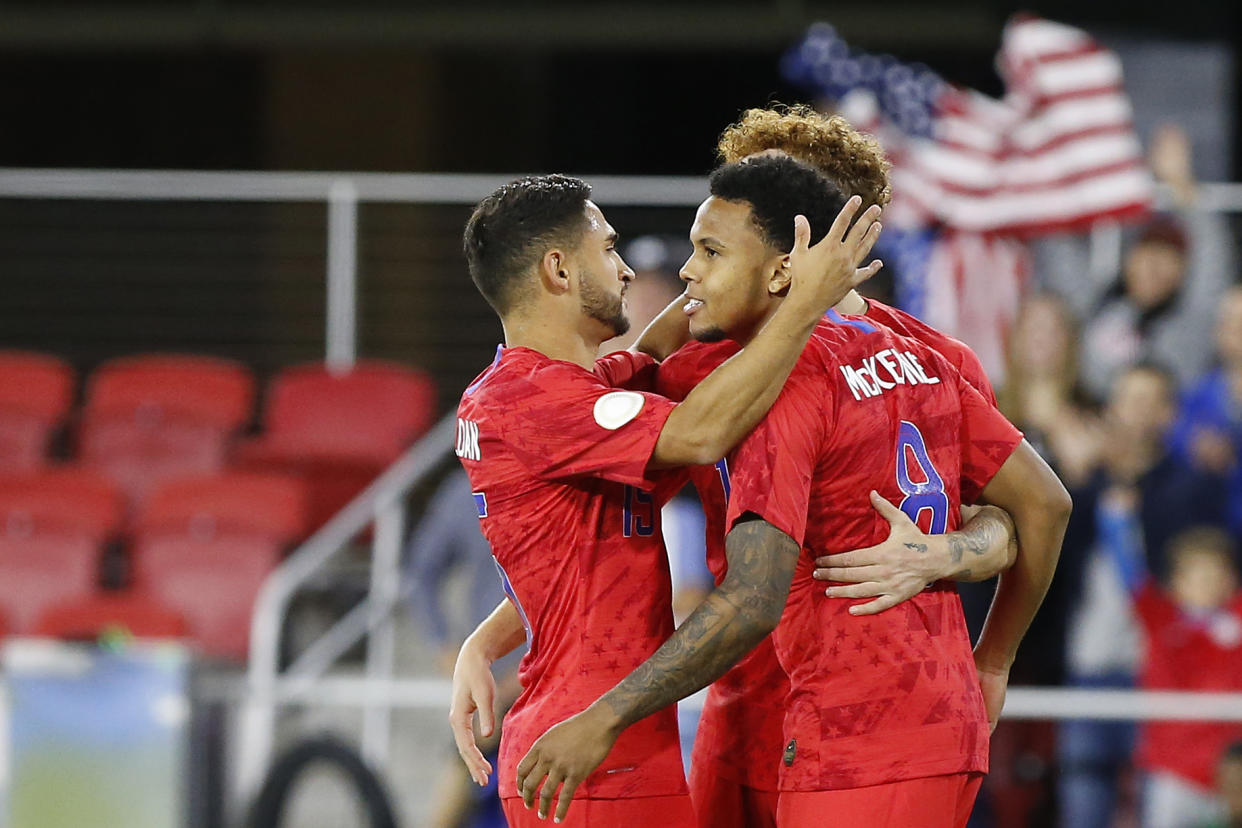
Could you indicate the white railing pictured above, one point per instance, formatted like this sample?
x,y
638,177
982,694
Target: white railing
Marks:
x,y
342,192
382,505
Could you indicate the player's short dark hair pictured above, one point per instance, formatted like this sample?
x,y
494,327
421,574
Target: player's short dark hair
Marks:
x,y
511,229
1233,753
777,188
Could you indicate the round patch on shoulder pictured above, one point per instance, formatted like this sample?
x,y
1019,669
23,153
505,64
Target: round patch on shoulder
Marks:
x,y
617,408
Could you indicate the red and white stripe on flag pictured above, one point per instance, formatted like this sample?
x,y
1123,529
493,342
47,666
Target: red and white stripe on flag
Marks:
x,y
1058,152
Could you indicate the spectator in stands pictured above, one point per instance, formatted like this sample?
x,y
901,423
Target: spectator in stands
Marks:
x,y
1172,275
1192,631
1164,496
1041,394
1229,787
1208,433
446,541
656,261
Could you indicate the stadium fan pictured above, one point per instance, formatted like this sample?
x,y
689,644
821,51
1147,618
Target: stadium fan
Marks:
x,y
1103,638
1192,631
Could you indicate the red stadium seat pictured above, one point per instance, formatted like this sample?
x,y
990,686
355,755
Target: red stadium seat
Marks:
x,y
53,526
152,418
339,431
205,546
36,392
86,619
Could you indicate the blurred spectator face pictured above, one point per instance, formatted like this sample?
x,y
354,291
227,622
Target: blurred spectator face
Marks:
x,y
1229,328
654,286
1042,338
1202,576
1141,404
1155,267
1229,783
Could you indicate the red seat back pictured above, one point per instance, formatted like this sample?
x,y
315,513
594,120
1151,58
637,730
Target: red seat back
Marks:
x,y
205,546
36,391
267,505
53,526
150,419
64,499
86,619
211,580
371,412
171,387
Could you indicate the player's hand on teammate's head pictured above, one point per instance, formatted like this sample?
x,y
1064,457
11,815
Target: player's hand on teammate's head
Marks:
x,y
562,758
474,690
823,273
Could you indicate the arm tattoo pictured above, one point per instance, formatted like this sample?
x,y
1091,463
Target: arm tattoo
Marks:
x,y
921,548
730,622
976,538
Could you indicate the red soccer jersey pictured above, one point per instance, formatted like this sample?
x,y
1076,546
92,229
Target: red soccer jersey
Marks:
x,y
739,734
557,458
958,353
1188,653
889,697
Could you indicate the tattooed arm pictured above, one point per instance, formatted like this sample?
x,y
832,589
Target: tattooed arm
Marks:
x,y
907,561
730,622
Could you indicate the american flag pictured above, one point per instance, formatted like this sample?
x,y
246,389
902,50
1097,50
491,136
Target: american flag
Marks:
x,y
1058,152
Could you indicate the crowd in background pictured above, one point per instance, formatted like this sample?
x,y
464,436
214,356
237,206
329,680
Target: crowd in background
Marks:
x,y
1132,390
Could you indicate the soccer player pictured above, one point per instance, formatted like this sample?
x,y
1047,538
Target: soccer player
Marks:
x,y
733,780
562,464
885,722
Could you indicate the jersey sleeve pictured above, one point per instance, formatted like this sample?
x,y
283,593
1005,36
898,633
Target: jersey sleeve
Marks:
x,y
770,472
567,423
627,369
971,369
987,439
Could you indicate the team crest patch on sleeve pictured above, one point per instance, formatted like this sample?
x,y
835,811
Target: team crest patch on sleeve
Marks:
x,y
617,408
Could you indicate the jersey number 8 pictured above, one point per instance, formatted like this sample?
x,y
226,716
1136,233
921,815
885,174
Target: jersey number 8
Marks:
x,y
920,497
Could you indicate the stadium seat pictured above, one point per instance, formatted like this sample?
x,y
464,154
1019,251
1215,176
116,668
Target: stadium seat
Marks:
x,y
152,418
53,527
36,391
86,619
205,545
339,431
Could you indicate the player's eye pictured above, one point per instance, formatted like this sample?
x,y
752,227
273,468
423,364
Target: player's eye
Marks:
x,y
710,252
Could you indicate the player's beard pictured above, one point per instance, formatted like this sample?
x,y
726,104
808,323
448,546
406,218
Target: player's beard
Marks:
x,y
609,310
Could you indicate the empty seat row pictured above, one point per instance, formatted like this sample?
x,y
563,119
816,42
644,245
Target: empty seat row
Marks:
x,y
200,553
151,418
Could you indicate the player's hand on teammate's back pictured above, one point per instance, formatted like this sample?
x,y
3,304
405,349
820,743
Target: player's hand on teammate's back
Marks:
x,y
564,756
890,572
994,682
824,273
474,689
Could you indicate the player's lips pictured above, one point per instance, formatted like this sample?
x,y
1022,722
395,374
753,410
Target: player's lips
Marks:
x,y
690,307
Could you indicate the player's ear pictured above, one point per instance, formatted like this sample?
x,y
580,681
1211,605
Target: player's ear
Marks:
x,y
554,271
780,277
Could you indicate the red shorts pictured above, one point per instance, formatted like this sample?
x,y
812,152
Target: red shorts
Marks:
x,y
723,803
664,811
933,802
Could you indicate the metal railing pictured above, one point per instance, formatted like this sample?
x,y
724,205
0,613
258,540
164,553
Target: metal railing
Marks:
x,y
382,505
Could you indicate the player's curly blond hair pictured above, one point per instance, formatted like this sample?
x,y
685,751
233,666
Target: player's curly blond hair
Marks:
x,y
850,159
